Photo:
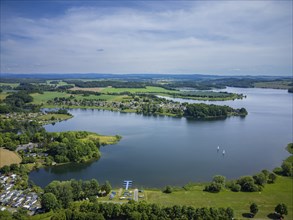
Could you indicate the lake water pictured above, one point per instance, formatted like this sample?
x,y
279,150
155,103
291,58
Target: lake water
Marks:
x,y
159,151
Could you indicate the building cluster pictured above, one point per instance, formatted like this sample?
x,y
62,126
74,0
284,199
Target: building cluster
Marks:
x,y
12,198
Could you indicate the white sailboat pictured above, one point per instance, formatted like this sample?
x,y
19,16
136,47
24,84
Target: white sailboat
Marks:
x,y
223,152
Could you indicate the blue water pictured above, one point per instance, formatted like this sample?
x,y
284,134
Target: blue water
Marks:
x,y
159,151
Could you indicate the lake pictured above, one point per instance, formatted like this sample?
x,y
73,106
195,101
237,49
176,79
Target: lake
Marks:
x,y
159,151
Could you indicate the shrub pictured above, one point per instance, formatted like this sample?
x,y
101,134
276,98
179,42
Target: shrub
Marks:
x,y
213,187
235,187
168,189
272,178
281,208
253,209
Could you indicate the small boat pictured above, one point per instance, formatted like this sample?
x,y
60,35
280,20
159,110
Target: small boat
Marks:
x,y
218,148
224,152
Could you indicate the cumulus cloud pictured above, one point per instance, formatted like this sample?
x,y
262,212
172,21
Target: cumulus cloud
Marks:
x,y
222,37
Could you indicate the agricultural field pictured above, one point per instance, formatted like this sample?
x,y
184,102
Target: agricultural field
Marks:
x,y
46,96
43,98
8,157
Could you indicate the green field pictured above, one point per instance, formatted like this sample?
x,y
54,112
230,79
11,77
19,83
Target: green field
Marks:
x,y
279,192
43,98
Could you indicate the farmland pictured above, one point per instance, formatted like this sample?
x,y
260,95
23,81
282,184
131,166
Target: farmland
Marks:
x,y
8,157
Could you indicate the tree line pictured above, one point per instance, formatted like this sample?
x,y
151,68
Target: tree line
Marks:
x,y
18,102
106,83
60,194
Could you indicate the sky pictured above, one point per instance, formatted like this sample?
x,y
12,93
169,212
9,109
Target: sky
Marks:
x,y
173,37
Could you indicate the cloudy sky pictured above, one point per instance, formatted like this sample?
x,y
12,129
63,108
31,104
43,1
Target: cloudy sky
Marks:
x,y
206,37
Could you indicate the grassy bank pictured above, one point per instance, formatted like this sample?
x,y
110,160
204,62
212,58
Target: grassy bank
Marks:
x,y
103,139
53,118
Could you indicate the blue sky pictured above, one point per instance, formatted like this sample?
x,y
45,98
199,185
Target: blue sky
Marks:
x,y
207,37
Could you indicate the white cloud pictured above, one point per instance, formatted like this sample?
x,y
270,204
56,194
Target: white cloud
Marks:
x,y
210,37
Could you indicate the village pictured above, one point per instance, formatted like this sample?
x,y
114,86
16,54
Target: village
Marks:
x,y
149,105
11,199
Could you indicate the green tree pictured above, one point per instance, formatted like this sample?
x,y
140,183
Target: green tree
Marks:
x,y
106,187
281,208
260,179
235,187
230,213
59,216
272,178
6,215
253,208
21,214
247,184
65,196
213,187
219,179
135,215
286,169
168,189
5,169
49,202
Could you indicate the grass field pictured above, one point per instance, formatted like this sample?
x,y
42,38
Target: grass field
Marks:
x,y
43,98
280,192
104,140
8,157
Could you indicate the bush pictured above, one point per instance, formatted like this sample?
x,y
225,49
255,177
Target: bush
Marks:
x,y
213,187
220,180
247,184
287,169
260,179
235,187
253,209
272,178
168,189
281,208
